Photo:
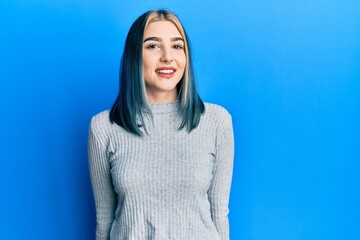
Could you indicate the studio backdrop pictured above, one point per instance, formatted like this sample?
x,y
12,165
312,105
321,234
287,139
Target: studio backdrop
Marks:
x,y
287,71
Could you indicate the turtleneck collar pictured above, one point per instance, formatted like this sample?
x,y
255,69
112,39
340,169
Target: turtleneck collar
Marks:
x,y
165,107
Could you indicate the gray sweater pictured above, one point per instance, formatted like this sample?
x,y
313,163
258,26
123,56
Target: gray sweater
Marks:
x,y
169,184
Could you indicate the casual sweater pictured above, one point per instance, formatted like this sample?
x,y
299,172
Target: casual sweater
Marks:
x,y
169,184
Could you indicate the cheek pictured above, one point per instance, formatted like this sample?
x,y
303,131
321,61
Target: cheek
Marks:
x,y
183,62
147,69
148,63
183,59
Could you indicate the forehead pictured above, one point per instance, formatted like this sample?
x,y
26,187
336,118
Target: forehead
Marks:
x,y
161,29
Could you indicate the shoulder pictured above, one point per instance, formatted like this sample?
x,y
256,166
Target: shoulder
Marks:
x,y
216,117
102,118
217,112
219,119
100,122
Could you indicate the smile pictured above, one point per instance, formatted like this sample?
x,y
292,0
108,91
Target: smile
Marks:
x,y
165,72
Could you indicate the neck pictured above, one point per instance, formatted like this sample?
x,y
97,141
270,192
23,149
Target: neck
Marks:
x,y
162,98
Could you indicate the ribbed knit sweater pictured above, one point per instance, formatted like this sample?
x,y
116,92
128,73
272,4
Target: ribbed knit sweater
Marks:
x,y
169,184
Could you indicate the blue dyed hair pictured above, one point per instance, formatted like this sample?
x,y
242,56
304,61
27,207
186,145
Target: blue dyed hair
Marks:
x,y
131,103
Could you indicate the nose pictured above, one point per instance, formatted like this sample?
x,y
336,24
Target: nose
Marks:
x,y
166,56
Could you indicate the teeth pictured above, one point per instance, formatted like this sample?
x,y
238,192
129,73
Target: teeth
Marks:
x,y
166,71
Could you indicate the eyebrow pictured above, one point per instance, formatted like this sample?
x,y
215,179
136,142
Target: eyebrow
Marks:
x,y
159,39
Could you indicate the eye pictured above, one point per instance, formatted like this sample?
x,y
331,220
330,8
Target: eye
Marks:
x,y
177,46
152,46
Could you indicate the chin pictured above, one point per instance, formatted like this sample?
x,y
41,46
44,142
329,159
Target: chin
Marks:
x,y
168,86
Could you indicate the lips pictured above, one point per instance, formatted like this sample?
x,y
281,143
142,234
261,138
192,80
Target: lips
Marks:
x,y
165,72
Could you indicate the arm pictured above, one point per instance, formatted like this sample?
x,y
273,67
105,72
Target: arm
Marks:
x,y
103,190
219,191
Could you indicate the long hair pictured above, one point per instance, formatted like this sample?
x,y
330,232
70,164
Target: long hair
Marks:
x,y
131,105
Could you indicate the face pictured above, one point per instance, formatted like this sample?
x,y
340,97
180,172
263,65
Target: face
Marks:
x,y
164,61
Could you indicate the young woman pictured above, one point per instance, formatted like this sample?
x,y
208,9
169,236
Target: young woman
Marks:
x,y
160,160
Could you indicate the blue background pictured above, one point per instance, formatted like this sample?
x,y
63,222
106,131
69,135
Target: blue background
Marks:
x,y
288,72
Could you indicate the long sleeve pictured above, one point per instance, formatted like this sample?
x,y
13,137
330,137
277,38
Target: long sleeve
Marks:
x,y
152,187
103,190
219,191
